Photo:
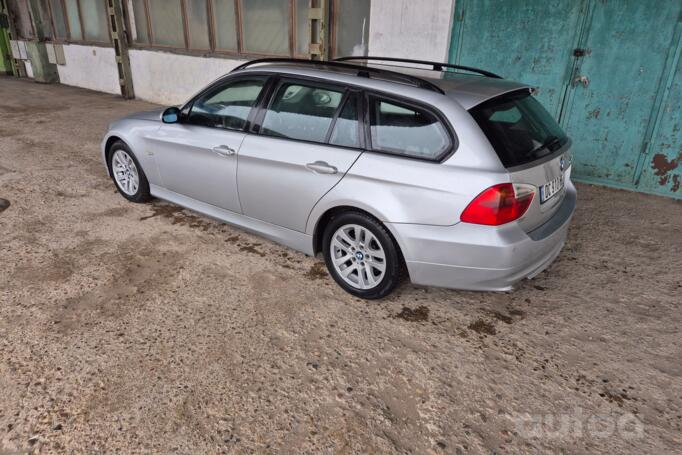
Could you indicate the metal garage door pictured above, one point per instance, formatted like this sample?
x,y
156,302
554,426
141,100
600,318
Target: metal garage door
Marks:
x,y
608,70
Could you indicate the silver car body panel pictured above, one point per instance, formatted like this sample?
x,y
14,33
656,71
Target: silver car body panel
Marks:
x,y
267,188
186,155
273,172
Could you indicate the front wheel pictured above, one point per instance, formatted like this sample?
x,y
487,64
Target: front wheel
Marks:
x,y
361,255
127,173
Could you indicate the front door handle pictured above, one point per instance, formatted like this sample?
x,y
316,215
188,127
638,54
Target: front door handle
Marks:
x,y
321,167
224,150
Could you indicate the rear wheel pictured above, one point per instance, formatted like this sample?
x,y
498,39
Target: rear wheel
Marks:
x,y
361,255
127,173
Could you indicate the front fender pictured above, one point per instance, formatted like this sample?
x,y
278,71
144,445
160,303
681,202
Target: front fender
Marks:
x,y
134,133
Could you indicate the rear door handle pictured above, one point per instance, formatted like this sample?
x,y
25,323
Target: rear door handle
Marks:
x,y
224,150
321,167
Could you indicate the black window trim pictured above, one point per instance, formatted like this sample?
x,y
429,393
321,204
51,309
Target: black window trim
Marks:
x,y
219,84
447,126
337,113
257,114
281,78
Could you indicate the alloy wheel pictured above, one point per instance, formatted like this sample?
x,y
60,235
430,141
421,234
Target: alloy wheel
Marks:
x,y
357,256
125,172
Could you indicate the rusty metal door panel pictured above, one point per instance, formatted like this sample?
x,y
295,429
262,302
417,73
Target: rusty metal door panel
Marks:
x,y
615,86
529,41
661,167
608,70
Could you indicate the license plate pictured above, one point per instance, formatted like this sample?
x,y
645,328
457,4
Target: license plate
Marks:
x,y
549,189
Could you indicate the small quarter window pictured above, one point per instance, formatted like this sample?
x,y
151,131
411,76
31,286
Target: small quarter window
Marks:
x,y
300,111
406,130
227,106
346,128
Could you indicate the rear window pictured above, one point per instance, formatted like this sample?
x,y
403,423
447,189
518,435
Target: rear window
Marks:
x,y
406,130
519,128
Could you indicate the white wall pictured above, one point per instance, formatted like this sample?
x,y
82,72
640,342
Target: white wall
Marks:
x,y
90,67
418,29
169,79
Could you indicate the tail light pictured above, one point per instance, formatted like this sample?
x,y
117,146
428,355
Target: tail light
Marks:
x,y
499,204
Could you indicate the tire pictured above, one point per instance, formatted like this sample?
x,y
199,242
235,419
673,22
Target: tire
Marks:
x,y
127,173
363,256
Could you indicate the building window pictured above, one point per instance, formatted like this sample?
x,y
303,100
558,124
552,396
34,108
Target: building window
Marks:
x,y
234,27
265,26
77,20
60,32
21,17
225,25
166,20
139,30
74,20
350,27
94,21
197,24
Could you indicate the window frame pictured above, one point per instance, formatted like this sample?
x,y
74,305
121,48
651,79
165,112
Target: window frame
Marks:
x,y
255,119
369,110
276,81
223,83
214,50
335,10
13,17
301,81
68,39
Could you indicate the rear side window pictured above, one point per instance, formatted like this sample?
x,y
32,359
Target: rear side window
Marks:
x,y
406,130
346,130
519,128
301,111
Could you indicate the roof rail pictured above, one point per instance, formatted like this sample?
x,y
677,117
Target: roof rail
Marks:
x,y
435,66
362,70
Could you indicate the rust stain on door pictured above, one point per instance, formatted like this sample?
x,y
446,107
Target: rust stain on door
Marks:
x,y
662,167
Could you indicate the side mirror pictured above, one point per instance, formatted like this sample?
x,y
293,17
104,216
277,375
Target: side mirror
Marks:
x,y
171,115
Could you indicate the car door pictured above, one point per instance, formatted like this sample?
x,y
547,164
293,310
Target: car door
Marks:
x,y
197,156
309,136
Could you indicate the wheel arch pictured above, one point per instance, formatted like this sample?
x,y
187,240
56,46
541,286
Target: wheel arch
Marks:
x,y
107,150
325,218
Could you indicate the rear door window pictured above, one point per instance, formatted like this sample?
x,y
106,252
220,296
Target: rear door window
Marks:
x,y
302,111
406,130
519,128
346,130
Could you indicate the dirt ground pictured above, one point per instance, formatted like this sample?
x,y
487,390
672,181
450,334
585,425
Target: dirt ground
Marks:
x,y
130,328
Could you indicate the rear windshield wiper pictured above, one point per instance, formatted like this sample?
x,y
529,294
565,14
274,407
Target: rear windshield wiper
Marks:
x,y
550,145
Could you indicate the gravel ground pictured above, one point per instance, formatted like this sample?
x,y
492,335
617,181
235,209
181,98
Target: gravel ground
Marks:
x,y
130,328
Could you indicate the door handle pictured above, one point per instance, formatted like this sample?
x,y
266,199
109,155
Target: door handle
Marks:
x,y
224,150
320,167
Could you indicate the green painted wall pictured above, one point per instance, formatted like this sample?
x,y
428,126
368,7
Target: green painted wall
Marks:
x,y
625,119
43,70
5,64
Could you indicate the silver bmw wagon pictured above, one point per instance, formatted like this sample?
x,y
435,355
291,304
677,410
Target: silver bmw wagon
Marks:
x,y
451,174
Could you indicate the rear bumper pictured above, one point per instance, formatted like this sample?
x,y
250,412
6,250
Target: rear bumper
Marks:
x,y
482,258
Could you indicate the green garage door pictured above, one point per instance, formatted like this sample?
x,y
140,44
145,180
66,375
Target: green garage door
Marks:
x,y
607,70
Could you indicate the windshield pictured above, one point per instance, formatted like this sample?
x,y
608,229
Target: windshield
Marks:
x,y
519,128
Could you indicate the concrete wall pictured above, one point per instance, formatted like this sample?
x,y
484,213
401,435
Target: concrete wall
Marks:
x,y
418,29
90,67
169,79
